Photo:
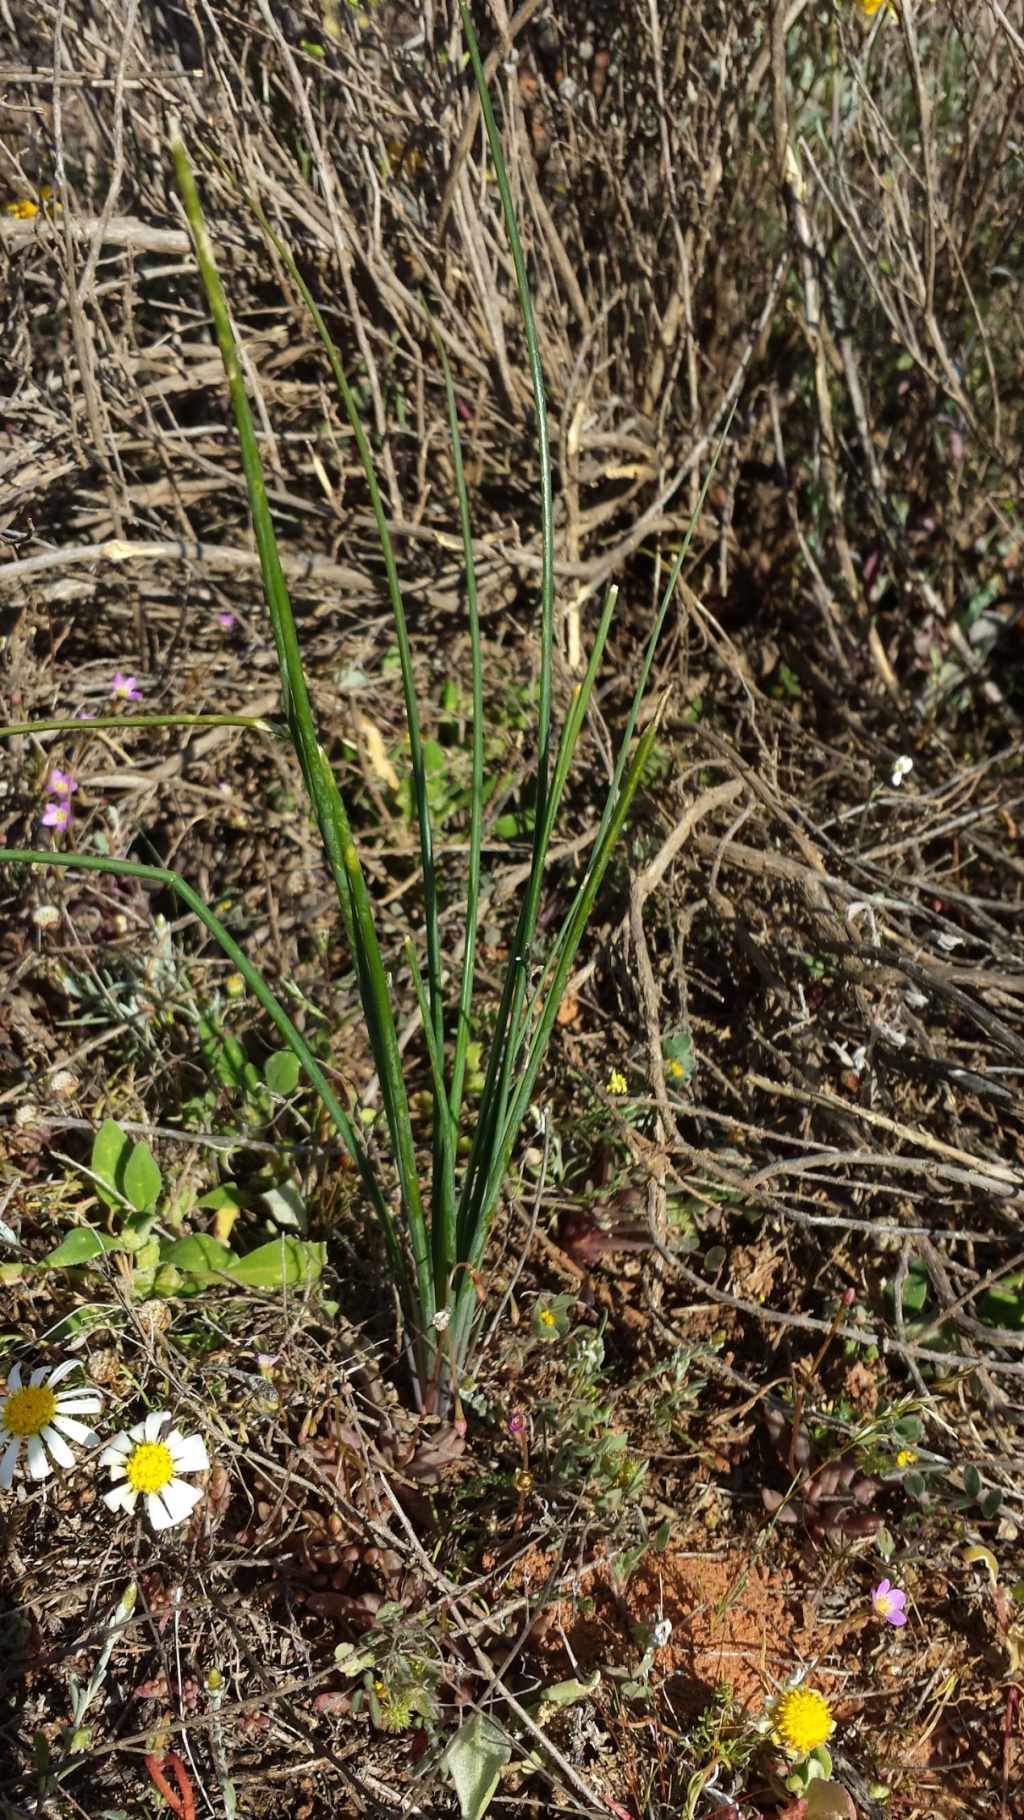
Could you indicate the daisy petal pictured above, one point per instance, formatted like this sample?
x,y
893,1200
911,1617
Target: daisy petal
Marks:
x,y
76,1431
59,1449
38,1464
117,1449
189,1454
173,1505
37,1376
121,1498
70,1403
154,1424
8,1463
61,1370
14,1378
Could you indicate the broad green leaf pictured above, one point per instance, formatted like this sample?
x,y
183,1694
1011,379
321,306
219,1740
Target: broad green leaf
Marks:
x,y
111,1148
283,1261
200,1256
142,1178
282,1072
1003,1304
228,1194
79,1246
566,1693
475,1759
287,1207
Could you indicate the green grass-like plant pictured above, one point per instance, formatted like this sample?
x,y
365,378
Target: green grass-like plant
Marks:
x,y
435,1238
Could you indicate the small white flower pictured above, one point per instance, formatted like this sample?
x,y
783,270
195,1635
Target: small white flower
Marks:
x,y
146,1461
901,769
441,1320
38,1416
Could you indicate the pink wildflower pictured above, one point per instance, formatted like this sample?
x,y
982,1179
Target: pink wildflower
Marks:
x,y
888,1601
517,1422
57,815
225,621
61,783
125,688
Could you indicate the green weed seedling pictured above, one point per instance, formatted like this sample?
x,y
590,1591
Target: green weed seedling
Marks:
x,y
153,1259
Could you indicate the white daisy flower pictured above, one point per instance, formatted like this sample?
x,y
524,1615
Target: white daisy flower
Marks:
x,y
37,1414
146,1461
901,769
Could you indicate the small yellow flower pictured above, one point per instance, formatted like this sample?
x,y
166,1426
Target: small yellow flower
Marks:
x,y
906,1457
617,1083
870,7
26,207
546,1318
803,1720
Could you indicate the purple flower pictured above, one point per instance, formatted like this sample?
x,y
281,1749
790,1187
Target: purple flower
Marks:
x,y
61,783
57,815
517,1422
125,688
888,1601
225,621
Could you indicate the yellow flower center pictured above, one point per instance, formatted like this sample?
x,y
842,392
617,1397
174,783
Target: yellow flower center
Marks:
x,y
149,1467
803,1720
28,1411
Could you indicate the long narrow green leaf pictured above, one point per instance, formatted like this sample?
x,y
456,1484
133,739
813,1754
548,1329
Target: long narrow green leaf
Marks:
x,y
466,1305
547,520
509,1011
125,722
321,784
463,1029
161,875
445,1237
510,1022
445,1137
416,758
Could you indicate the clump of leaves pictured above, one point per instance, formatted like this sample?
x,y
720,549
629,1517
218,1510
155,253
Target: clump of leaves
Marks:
x,y
830,1497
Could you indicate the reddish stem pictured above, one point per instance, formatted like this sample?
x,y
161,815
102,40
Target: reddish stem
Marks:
x,y
183,1804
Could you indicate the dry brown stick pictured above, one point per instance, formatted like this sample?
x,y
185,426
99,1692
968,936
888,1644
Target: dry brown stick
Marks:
x,y
118,549
119,230
473,110
87,281
999,1172
344,234
812,1324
